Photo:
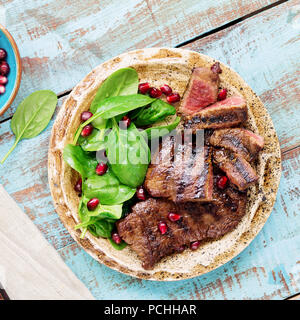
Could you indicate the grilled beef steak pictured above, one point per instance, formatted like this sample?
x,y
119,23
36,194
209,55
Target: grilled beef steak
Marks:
x,y
238,140
201,92
180,172
140,228
237,169
223,114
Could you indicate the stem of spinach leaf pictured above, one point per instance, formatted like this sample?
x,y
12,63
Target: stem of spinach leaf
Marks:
x,y
10,150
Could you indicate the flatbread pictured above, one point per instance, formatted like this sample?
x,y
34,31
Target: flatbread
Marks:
x,y
174,67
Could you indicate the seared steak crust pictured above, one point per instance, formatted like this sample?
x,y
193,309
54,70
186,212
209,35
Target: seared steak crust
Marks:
x,y
237,169
198,222
180,172
228,113
238,140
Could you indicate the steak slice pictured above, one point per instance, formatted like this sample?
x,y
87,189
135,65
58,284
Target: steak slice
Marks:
x,y
223,114
238,140
237,169
180,172
140,228
158,175
201,92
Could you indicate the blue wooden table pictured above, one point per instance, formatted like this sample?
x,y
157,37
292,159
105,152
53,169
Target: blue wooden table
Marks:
x,y
60,41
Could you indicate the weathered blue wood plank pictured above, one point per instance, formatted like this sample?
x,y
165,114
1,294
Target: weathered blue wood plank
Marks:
x,y
270,267
61,41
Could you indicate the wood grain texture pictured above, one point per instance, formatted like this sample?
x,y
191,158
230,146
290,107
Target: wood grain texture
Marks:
x,y
60,41
263,50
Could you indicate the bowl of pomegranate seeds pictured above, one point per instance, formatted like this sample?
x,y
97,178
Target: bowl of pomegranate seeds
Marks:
x,y
10,69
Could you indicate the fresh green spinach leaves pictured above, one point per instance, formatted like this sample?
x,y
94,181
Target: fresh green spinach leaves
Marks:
x,y
157,111
32,116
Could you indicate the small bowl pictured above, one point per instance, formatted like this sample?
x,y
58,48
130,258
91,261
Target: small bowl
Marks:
x,y
14,77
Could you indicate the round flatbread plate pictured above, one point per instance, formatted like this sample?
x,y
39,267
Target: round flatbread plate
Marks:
x,y
174,67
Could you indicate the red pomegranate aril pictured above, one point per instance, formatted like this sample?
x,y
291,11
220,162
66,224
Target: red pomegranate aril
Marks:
x,y
125,122
174,97
141,193
78,186
167,90
155,93
87,130
3,54
222,94
3,80
222,182
101,168
116,238
2,89
93,203
4,68
195,245
162,226
174,216
85,115
144,87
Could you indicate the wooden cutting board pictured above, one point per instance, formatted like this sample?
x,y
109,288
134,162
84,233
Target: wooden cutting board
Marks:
x,y
29,267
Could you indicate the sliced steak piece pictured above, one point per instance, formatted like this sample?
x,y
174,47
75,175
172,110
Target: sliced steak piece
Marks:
x,y
140,228
237,169
159,171
201,92
195,183
238,140
180,172
223,114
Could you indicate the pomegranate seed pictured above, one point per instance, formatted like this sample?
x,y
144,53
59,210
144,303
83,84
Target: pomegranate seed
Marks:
x,y
194,245
125,123
3,54
222,182
101,168
174,97
155,93
174,216
216,68
116,238
2,89
141,193
93,203
167,90
87,130
144,87
3,80
78,186
85,115
4,68
222,94
162,226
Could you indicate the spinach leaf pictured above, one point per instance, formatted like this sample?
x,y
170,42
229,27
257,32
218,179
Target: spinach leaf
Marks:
x,y
94,142
107,189
120,246
32,116
114,106
101,228
100,221
157,111
79,160
128,154
122,82
161,129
